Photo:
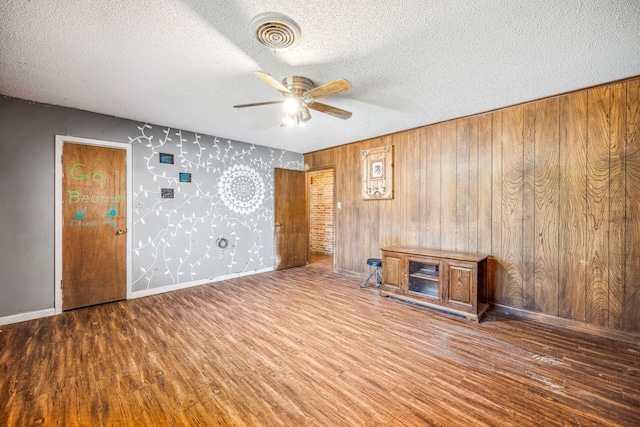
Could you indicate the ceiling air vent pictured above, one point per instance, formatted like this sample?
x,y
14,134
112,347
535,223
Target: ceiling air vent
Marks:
x,y
275,30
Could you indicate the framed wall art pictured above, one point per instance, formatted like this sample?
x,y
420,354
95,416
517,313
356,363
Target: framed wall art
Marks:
x,y
377,173
185,177
166,158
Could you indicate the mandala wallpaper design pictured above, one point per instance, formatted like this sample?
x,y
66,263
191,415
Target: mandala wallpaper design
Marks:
x,y
242,189
230,196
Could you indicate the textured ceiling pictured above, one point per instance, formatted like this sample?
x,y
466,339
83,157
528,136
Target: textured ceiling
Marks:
x,y
185,63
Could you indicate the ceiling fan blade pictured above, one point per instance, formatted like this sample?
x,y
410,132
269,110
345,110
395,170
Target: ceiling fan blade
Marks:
x,y
332,88
271,81
255,104
328,109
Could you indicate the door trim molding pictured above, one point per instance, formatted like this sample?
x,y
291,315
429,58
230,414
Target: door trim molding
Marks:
x,y
60,139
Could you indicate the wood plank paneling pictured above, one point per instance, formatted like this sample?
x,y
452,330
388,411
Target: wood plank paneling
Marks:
x,y
318,159
433,187
512,203
495,293
617,130
390,216
448,197
411,146
370,216
353,206
397,207
573,207
528,204
485,160
597,261
631,297
548,188
474,184
344,174
463,195
422,186
547,171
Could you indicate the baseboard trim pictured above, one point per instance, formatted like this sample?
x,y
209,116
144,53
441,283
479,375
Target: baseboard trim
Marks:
x,y
169,288
567,323
350,273
23,317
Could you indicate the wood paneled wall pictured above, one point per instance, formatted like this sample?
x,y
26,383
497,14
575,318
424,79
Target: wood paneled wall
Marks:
x,y
550,188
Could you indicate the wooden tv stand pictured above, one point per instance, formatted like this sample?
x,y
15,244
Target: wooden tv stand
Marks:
x,y
453,282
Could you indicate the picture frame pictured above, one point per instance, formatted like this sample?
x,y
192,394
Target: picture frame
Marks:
x,y
166,193
184,177
377,169
166,158
377,173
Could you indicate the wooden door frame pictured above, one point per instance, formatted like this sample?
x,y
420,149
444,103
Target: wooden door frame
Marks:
x,y
60,139
332,168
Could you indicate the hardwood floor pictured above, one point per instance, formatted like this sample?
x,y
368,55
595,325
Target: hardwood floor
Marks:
x,y
321,260
304,346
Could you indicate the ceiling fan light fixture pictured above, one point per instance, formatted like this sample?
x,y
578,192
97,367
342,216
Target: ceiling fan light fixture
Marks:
x,y
292,104
289,120
275,30
301,95
303,115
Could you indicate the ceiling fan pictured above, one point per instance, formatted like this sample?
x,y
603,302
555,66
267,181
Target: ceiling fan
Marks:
x,y
300,95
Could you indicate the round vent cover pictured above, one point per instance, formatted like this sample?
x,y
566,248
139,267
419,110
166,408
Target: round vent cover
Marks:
x,y
275,30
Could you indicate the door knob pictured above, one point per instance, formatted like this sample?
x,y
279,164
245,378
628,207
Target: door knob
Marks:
x,y
278,224
119,232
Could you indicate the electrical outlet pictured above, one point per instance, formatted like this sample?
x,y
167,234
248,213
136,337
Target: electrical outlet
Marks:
x,y
221,256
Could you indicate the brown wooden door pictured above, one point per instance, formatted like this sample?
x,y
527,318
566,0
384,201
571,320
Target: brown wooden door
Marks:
x,y
291,219
94,225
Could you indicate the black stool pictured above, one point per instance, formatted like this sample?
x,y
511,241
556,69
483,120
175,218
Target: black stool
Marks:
x,y
377,263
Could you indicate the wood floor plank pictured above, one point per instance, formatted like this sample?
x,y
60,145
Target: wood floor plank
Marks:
x,y
305,346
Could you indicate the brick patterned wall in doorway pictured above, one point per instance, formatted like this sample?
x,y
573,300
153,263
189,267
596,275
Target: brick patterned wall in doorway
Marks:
x,y
321,211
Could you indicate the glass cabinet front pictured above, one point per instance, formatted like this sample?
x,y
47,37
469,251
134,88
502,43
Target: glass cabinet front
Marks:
x,y
424,278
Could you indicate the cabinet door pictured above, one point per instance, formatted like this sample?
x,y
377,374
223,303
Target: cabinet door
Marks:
x,y
423,277
391,270
461,284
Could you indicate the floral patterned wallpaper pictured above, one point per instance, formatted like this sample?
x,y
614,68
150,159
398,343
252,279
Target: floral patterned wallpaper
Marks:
x,y
219,223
